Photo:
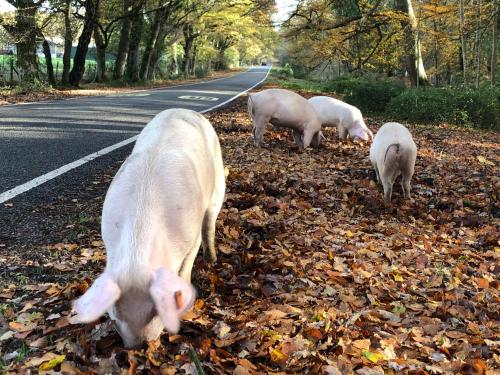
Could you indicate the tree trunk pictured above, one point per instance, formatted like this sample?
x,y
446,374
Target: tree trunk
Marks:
x,y
414,62
188,48
100,55
132,71
48,62
462,38
494,37
478,44
68,41
192,62
123,44
436,54
76,74
155,57
219,64
26,39
148,49
175,62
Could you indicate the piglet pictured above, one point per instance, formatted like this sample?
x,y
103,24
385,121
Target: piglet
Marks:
x,y
161,205
393,153
287,109
347,118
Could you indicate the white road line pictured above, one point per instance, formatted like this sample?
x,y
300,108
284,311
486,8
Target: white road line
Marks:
x,y
131,91
9,194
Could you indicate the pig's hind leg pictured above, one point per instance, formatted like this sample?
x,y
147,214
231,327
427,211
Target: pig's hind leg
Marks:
x,y
405,184
209,220
376,172
187,263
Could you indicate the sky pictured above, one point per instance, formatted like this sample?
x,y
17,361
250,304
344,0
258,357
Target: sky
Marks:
x,y
284,7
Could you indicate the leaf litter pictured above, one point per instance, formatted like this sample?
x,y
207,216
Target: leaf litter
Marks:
x,y
315,274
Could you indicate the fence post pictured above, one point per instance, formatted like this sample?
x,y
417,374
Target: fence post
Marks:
x,y
11,70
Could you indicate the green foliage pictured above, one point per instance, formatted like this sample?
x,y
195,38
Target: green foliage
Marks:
x,y
201,72
232,57
368,94
482,106
461,106
423,105
299,84
22,352
26,87
285,72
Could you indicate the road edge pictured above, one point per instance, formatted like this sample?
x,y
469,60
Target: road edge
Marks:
x,y
37,181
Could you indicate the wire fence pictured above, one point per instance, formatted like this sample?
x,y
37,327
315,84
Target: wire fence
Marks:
x,y
10,73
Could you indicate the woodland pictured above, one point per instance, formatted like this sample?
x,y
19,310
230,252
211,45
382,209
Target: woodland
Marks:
x,y
316,274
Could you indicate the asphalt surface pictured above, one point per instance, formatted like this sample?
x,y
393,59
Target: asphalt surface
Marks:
x,y
37,138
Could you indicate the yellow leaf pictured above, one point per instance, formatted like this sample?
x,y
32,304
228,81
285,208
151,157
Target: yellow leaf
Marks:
x,y
373,357
398,278
226,171
483,160
363,344
277,355
349,233
49,365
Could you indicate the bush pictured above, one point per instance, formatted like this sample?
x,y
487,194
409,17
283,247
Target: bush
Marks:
x,y
201,72
285,72
482,106
479,108
369,95
26,87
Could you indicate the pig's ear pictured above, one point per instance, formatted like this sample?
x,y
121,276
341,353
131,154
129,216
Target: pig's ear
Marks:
x,y
172,296
97,299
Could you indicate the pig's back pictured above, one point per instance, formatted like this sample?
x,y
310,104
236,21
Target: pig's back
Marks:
x,y
391,133
160,194
287,106
332,111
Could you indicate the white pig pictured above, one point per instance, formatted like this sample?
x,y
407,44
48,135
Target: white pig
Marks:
x,y
162,203
347,118
287,109
393,153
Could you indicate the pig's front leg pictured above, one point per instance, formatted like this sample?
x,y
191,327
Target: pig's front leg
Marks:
x,y
297,137
259,125
342,133
316,140
308,136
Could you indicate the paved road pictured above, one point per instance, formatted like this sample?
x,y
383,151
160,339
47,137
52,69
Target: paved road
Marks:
x,y
37,138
